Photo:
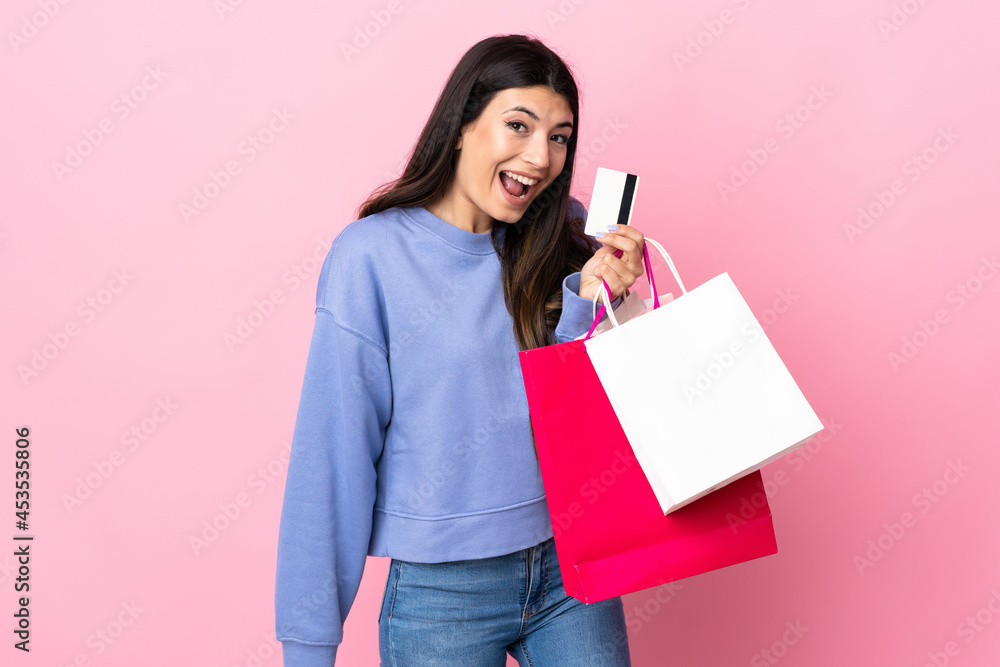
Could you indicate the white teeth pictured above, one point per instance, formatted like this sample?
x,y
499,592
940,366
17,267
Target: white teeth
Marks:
x,y
523,179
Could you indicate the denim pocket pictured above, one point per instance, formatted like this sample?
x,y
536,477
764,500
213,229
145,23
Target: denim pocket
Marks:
x,y
388,578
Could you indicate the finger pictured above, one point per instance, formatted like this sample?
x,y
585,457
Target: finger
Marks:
x,y
611,279
630,261
628,231
616,273
625,241
614,246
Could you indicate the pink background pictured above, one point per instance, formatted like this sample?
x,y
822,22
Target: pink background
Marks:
x,y
836,302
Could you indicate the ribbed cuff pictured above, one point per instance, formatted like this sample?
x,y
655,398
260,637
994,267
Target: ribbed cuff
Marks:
x,y
577,312
294,654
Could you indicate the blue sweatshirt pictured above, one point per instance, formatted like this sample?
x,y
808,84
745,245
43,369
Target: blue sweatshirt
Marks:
x,y
412,439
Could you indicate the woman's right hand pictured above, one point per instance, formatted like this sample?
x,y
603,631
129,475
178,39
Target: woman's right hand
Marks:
x,y
619,273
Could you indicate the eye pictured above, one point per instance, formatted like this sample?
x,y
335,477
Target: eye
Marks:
x,y
561,139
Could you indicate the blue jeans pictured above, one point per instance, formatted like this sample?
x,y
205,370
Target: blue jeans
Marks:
x,y
471,613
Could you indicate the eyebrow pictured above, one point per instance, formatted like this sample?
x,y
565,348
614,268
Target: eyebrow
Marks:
x,y
534,116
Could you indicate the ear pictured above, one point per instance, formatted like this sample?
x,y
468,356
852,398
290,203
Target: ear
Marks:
x,y
458,144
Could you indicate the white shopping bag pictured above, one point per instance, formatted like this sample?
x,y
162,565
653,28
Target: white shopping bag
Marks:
x,y
699,390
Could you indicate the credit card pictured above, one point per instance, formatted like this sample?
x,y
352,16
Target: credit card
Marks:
x,y
612,201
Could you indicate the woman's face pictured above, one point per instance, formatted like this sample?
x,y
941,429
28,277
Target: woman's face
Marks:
x,y
522,130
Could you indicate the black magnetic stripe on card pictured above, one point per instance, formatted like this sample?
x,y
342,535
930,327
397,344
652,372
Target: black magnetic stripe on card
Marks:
x,y
627,195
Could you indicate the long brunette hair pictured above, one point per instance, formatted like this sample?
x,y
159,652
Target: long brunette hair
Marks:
x,y
544,246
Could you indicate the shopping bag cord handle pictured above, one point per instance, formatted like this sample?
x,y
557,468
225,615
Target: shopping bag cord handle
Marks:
x,y
605,291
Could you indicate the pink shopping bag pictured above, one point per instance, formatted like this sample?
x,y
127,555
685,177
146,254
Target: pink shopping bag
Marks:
x,y
611,535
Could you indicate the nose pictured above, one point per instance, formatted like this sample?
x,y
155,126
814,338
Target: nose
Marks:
x,y
537,152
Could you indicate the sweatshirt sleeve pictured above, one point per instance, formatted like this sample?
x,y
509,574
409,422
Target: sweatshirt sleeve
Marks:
x,y
577,312
326,515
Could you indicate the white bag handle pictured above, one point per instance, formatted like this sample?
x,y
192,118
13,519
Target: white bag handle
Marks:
x,y
601,291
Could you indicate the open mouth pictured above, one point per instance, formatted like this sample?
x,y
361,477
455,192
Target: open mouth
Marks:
x,y
518,187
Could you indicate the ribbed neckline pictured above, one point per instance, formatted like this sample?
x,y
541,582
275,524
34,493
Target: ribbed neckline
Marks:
x,y
477,244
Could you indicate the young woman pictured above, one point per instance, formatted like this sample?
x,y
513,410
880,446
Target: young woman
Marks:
x,y
413,439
